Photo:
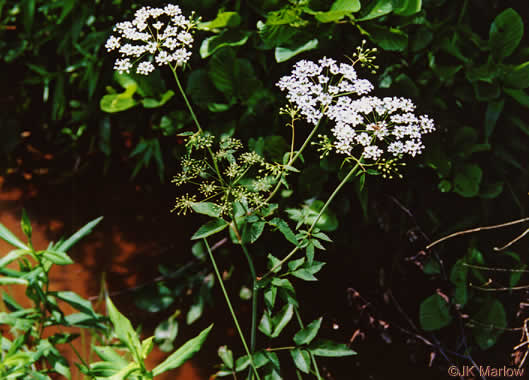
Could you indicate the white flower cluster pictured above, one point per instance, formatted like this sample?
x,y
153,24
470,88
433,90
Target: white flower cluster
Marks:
x,y
162,33
378,125
312,87
375,125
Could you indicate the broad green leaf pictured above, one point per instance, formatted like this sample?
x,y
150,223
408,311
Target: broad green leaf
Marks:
x,y
328,221
113,103
223,20
207,208
281,319
301,359
210,228
489,323
408,7
228,38
283,54
467,180
339,9
306,335
253,231
83,231
505,33
123,329
390,39
180,356
8,236
57,257
378,9
155,103
330,349
517,76
434,313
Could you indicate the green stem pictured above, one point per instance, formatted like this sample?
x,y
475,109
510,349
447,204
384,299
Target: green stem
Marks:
x,y
253,329
233,315
182,92
194,117
291,161
331,198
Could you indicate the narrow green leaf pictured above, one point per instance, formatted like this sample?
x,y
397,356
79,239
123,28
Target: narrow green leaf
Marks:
x,y
83,231
518,76
306,335
379,9
8,236
12,256
228,38
26,225
185,352
12,281
123,328
77,302
285,230
209,229
304,274
57,257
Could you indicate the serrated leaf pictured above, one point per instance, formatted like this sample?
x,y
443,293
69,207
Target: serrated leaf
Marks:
x,y
226,356
266,324
285,230
304,274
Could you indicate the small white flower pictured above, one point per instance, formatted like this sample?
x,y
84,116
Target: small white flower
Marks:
x,y
372,152
122,65
145,68
158,25
112,43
